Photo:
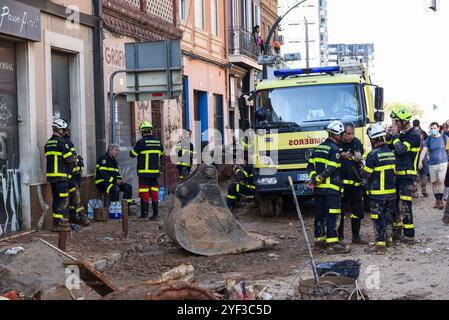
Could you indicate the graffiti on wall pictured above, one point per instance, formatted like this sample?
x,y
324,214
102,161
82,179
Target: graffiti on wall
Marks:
x,y
10,200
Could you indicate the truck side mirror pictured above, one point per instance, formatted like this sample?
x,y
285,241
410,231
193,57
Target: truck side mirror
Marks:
x,y
379,98
261,115
379,116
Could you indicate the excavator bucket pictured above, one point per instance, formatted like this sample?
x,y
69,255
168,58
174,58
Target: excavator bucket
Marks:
x,y
200,221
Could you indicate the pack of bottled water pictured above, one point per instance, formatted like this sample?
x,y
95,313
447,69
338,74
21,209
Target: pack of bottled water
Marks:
x,y
91,205
115,210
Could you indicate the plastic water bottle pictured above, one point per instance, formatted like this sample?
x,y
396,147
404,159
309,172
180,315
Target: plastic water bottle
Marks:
x,y
118,211
112,210
161,194
90,212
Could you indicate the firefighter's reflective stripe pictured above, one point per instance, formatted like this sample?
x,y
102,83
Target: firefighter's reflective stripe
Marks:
x,y
72,190
374,216
99,181
328,185
311,174
352,183
63,195
184,164
406,172
367,169
380,243
58,216
111,179
397,224
107,169
249,186
134,153
109,188
325,161
231,197
320,239
332,240
148,171
353,216
381,192
334,210
405,198
78,210
144,190
147,161
409,226
154,189
237,187
56,172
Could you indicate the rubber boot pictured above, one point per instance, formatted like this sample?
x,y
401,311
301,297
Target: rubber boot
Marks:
x,y
337,248
144,208
84,220
341,228
73,217
155,215
355,228
55,226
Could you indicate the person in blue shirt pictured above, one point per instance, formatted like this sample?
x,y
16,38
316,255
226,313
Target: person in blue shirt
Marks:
x,y
437,146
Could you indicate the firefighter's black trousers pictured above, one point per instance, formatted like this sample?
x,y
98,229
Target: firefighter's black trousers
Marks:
x,y
236,191
382,213
60,193
184,171
403,221
75,206
327,214
114,190
352,204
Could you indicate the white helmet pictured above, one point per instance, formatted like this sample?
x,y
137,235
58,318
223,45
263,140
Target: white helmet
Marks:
x,y
336,127
60,124
376,131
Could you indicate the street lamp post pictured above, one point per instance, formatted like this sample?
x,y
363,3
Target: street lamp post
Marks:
x,y
266,47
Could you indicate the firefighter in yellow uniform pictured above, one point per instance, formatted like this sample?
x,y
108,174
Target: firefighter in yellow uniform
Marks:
x,y
379,172
185,152
76,209
149,152
324,171
406,144
60,160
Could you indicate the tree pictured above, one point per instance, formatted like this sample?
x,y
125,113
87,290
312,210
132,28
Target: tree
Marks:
x,y
414,108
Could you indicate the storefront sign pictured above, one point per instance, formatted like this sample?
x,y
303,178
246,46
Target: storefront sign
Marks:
x,y
20,20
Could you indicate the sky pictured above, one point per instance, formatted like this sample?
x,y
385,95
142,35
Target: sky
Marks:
x,y
411,46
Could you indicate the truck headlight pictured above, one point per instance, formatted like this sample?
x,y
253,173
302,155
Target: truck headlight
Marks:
x,y
265,160
265,181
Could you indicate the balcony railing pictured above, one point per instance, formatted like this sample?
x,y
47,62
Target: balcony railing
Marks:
x,y
160,8
243,42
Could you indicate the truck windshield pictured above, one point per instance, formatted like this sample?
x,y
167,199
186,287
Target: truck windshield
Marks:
x,y
310,106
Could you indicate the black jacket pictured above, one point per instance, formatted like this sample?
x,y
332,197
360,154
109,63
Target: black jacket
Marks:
x,y
379,172
149,152
60,159
406,146
350,167
325,161
106,170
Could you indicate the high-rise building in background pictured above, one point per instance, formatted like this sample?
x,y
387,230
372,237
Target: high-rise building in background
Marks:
x,y
304,30
361,52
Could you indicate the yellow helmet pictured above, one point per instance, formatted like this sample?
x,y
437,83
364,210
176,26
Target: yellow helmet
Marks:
x,y
401,113
145,126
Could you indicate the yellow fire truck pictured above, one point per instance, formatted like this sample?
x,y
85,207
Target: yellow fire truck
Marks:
x,y
291,114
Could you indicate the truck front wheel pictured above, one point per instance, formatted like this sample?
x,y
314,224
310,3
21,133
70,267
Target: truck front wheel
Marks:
x,y
269,208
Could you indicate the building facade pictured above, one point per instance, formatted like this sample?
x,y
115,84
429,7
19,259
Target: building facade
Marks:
x,y
128,21
304,30
360,52
204,107
46,70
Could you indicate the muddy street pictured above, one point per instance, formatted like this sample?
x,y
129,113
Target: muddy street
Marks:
x,y
404,272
